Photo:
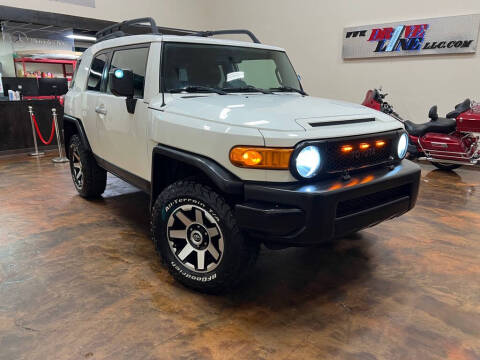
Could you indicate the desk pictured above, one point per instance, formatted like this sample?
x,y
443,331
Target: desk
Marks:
x,y
16,129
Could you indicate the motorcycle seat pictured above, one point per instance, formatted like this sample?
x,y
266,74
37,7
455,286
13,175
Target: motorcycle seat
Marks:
x,y
440,125
433,113
460,108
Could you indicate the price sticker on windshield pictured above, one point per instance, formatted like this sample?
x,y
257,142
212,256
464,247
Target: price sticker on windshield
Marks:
x,y
235,75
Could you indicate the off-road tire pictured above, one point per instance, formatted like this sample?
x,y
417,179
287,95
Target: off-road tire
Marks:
x,y
239,253
94,178
448,167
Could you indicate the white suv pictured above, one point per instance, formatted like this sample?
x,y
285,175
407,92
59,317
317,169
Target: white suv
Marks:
x,y
230,148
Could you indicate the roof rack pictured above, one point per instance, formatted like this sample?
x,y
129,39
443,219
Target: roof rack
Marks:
x,y
225,32
120,30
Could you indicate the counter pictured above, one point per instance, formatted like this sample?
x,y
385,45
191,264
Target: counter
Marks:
x,y
16,129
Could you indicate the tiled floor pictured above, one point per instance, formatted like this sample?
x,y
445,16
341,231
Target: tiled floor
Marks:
x,y
80,280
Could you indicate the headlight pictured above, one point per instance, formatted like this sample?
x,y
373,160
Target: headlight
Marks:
x,y
402,146
308,162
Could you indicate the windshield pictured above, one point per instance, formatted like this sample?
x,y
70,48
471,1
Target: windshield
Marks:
x,y
205,67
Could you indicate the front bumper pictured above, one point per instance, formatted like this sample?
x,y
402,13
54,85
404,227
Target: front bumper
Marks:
x,y
303,214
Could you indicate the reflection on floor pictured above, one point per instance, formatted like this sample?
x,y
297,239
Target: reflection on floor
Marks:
x,y
80,279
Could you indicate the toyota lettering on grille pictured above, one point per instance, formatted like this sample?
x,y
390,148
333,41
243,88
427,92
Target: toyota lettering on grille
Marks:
x,y
359,154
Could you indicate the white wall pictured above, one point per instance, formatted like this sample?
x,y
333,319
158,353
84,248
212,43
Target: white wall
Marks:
x,y
311,31
170,13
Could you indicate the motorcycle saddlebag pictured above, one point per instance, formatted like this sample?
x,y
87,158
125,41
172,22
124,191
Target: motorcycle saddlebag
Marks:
x,y
469,122
443,146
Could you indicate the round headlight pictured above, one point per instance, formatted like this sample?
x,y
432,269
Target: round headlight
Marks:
x,y
308,162
402,146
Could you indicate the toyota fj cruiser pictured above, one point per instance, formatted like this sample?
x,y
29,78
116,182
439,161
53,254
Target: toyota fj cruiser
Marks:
x,y
230,148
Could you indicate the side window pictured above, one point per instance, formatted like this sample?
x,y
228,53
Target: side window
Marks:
x,y
96,71
260,73
134,60
74,76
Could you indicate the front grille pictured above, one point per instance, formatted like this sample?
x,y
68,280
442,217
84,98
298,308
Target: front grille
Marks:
x,y
358,204
336,161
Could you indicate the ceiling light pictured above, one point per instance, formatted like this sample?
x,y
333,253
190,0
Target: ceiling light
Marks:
x,y
81,37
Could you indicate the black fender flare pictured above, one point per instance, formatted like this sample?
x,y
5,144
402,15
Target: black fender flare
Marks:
x,y
77,124
223,179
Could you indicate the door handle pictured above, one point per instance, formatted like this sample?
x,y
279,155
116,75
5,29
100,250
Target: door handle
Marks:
x,y
101,110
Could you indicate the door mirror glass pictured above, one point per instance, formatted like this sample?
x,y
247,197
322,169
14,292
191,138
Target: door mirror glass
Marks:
x,y
121,82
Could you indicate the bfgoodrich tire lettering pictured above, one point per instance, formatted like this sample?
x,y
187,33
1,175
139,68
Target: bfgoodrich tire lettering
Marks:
x,y
89,179
196,235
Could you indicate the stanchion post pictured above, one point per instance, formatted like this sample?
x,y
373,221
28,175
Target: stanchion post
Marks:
x,y
61,158
36,153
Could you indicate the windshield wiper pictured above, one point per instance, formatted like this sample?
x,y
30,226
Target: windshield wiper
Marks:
x,y
197,88
288,89
249,88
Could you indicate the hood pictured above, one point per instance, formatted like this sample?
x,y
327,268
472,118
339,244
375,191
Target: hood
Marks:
x,y
282,112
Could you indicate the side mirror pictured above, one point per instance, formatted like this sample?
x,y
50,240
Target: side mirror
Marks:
x,y
121,84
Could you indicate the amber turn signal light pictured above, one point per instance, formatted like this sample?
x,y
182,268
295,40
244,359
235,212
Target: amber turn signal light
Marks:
x,y
261,157
251,157
379,143
364,146
347,148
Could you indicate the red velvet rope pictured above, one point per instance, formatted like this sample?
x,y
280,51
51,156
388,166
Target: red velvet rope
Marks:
x,y
40,134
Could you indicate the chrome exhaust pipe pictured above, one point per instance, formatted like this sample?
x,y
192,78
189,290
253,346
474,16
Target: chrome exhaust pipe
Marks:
x,y
472,162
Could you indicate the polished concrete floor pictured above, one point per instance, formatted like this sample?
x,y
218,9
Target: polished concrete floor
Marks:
x,y
80,280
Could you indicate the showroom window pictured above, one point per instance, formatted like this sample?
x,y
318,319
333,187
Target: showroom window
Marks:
x,y
96,71
134,60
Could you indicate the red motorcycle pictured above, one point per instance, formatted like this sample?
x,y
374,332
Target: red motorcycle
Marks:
x,y
447,143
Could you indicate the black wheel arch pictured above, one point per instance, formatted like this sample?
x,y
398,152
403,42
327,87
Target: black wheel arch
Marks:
x,y
72,126
171,164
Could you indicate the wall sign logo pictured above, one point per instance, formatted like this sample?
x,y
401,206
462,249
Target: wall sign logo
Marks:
x,y
403,37
457,34
23,41
20,39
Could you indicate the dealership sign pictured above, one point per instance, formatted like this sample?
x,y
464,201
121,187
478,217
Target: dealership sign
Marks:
x,y
446,35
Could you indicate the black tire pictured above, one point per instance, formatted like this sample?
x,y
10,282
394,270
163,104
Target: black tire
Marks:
x,y
89,179
222,267
448,167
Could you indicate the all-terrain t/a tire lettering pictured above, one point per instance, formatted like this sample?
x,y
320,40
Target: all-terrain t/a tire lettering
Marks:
x,y
196,235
